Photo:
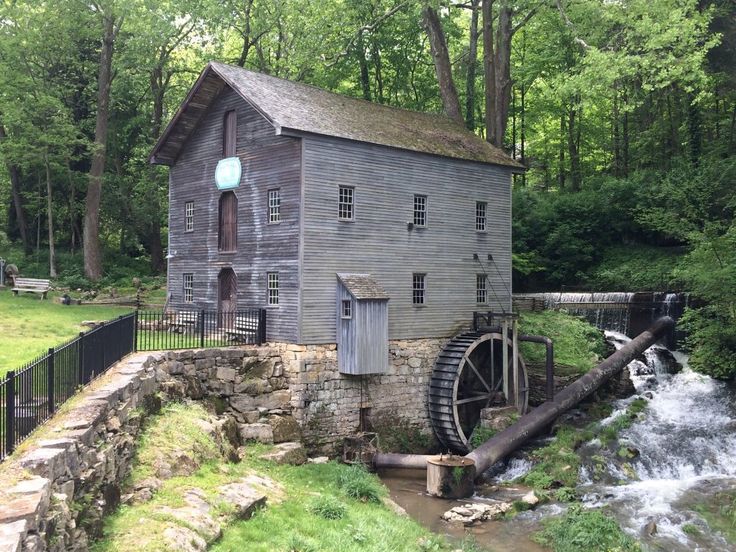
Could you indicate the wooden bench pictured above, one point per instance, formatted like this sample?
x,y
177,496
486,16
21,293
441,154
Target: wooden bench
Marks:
x,y
244,327
34,285
184,321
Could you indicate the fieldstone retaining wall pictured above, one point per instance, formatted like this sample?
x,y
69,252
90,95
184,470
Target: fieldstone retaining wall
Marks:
x,y
55,491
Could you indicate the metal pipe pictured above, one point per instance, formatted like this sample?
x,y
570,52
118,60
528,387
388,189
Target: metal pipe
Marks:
x,y
549,362
389,460
510,439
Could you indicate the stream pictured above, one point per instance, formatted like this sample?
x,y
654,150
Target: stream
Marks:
x,y
683,450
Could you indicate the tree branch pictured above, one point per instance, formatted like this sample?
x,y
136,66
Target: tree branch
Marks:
x,y
570,26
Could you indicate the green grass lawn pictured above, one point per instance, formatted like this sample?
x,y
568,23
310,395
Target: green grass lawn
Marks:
x,y
29,326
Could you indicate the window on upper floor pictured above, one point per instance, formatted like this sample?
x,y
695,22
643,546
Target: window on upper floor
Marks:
x,y
188,287
345,206
419,289
189,216
480,215
227,238
229,134
274,206
481,289
273,288
420,210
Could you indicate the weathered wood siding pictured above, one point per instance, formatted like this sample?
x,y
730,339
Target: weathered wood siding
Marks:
x,y
362,339
378,241
268,161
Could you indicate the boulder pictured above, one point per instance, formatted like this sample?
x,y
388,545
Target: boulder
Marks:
x,y
285,428
287,453
183,539
263,433
476,512
530,498
243,497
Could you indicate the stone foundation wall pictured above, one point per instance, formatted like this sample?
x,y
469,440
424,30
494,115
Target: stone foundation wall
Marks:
x,y
55,492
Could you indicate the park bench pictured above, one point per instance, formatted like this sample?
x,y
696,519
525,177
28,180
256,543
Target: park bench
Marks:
x,y
243,328
34,285
184,321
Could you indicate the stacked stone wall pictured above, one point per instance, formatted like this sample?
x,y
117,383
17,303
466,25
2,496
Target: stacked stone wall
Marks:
x,y
55,492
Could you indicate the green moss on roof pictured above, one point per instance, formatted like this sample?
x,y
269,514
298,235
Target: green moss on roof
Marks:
x,y
294,106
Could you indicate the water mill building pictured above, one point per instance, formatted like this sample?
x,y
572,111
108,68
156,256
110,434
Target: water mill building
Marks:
x,y
370,234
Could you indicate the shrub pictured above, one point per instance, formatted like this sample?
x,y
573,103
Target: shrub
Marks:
x,y
328,507
481,435
581,530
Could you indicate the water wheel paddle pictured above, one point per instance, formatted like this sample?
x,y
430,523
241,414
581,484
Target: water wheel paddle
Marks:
x,y
467,377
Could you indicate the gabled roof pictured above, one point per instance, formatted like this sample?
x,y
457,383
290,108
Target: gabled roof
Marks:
x,y
363,286
300,108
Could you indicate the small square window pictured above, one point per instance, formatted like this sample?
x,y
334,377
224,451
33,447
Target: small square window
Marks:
x,y
345,203
481,289
274,206
347,309
189,216
480,216
273,288
420,210
188,287
419,288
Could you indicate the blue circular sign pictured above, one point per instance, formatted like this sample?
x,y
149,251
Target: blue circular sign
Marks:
x,y
227,173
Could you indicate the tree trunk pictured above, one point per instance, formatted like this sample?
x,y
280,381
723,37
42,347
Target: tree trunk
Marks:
x,y
20,214
246,35
563,134
50,218
365,78
472,65
573,146
376,55
92,249
502,75
489,67
442,66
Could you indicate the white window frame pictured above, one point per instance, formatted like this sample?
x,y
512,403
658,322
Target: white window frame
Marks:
x,y
346,309
419,289
481,289
272,298
189,216
481,216
346,204
274,206
420,211
188,287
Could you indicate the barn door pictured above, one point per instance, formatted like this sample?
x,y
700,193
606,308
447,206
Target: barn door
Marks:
x,y
227,297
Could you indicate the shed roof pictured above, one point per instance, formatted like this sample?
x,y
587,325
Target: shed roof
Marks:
x,y
297,107
363,286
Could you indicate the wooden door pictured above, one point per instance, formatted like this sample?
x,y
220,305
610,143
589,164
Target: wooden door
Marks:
x,y
227,297
227,240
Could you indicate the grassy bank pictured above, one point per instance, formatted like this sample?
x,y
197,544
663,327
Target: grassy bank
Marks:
x,y
313,507
578,346
29,326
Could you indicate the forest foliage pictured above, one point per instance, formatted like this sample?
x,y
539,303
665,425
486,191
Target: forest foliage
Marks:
x,y
624,113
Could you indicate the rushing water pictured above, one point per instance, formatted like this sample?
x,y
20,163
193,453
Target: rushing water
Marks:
x,y
686,453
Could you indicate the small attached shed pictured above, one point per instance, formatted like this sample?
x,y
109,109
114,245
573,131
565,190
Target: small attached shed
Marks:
x,y
362,325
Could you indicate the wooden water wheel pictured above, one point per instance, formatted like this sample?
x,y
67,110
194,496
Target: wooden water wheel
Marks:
x,y
467,377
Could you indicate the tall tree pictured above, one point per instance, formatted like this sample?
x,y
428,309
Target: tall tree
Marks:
x,y
442,65
111,24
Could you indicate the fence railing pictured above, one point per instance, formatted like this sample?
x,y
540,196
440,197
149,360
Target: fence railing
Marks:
x,y
157,330
29,396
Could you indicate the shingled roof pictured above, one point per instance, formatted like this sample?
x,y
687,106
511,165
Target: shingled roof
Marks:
x,y
293,107
363,286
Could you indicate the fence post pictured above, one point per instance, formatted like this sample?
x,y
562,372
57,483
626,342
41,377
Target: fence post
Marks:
x,y
201,329
80,372
10,412
135,331
50,380
261,326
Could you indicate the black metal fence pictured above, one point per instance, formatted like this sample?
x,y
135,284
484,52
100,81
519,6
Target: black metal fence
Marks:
x,y
157,330
29,396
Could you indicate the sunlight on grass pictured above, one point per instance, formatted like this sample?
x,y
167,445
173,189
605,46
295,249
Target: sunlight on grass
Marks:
x,y
29,326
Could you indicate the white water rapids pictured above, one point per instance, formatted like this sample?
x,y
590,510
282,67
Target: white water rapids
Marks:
x,y
686,445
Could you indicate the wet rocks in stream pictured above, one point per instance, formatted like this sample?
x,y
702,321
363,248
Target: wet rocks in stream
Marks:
x,y
476,512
